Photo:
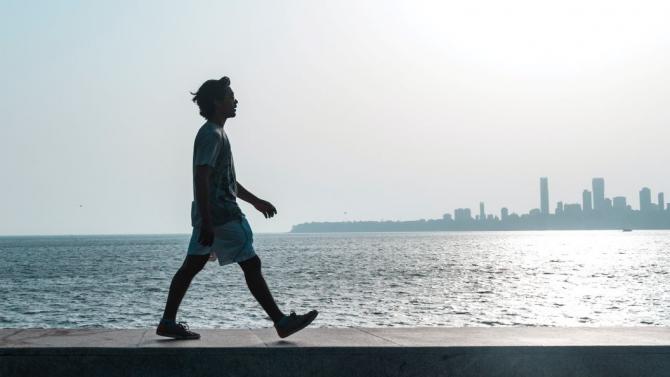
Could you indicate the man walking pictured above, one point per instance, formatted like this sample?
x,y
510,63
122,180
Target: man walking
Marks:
x,y
220,229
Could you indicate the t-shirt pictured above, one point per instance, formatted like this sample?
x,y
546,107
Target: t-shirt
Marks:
x,y
212,148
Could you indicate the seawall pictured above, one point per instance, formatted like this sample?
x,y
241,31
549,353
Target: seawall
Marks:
x,y
350,352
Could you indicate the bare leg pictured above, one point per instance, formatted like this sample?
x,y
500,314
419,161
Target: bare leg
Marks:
x,y
180,283
259,289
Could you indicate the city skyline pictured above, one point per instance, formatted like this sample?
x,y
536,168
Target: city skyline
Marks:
x,y
596,211
592,201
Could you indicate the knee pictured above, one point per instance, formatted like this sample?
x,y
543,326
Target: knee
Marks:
x,y
252,265
190,269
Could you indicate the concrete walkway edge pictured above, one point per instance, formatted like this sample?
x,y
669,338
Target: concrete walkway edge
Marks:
x,y
350,352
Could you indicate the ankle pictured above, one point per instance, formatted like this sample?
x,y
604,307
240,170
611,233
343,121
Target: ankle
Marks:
x,y
278,318
167,321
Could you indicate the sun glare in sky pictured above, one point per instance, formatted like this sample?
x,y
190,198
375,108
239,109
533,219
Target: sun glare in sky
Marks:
x,y
380,109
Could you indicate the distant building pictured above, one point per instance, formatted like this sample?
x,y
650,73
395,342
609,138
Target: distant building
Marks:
x,y
462,215
645,199
572,209
559,208
586,201
482,213
661,201
598,186
504,213
446,217
619,203
535,212
544,195
608,203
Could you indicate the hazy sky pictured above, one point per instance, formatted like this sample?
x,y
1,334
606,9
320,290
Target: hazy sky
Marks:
x,y
380,109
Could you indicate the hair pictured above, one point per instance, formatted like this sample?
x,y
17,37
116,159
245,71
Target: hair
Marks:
x,y
210,91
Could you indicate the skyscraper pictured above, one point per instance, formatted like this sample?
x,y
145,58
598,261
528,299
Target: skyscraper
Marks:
x,y
482,214
462,215
559,208
661,201
619,203
598,194
544,196
586,201
504,213
645,199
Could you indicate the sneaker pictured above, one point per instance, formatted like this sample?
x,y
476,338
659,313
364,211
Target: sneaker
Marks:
x,y
293,323
176,330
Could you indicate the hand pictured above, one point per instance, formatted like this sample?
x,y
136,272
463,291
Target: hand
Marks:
x,y
206,237
266,208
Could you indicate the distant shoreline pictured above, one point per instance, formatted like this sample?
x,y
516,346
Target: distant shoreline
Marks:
x,y
595,213
521,224
459,230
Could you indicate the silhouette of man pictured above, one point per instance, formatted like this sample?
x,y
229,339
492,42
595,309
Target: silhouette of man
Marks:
x,y
220,229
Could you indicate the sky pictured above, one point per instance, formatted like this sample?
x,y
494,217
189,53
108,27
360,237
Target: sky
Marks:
x,y
348,110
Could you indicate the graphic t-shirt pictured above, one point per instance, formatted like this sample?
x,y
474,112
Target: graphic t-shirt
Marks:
x,y
212,148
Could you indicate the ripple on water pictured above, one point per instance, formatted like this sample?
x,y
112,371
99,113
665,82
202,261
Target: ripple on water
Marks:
x,y
408,279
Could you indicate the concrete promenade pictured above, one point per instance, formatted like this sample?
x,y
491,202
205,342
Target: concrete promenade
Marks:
x,y
350,352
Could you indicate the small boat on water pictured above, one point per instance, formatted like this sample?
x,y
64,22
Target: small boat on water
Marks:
x,y
627,230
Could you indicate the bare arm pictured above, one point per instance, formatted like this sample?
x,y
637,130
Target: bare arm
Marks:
x,y
245,195
202,174
265,207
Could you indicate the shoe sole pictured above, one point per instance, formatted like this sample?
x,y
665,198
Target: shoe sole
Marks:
x,y
305,324
178,337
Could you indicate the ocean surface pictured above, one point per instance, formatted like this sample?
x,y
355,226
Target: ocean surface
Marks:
x,y
552,278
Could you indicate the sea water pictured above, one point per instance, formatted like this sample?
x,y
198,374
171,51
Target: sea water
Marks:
x,y
548,278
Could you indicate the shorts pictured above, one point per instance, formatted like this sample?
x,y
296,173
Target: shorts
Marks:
x,y
233,242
